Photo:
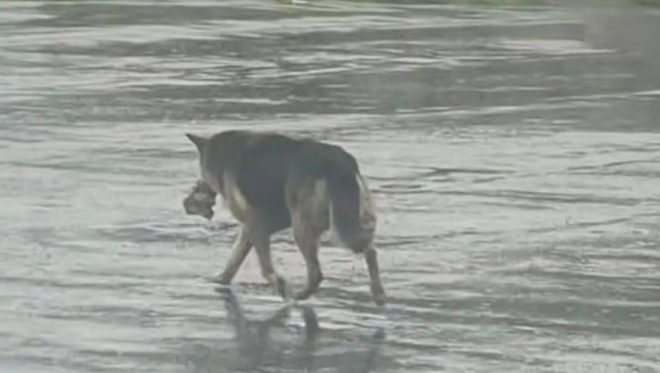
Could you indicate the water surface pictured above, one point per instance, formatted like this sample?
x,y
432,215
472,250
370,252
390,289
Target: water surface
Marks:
x,y
514,153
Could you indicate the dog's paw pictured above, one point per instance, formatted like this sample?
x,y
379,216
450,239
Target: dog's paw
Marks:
x,y
378,294
281,287
380,299
219,280
303,295
225,292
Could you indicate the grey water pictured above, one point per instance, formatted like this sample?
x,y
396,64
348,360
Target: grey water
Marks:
x,y
514,153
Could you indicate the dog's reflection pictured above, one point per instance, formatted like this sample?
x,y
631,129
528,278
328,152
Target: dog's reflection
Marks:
x,y
312,348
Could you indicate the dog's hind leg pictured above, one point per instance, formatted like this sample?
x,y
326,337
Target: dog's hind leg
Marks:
x,y
376,286
309,206
308,242
241,248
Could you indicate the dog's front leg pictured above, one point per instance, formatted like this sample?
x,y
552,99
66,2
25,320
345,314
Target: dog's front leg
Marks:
x,y
262,245
241,248
376,286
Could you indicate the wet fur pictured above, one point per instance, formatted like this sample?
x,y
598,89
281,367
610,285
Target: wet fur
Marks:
x,y
271,182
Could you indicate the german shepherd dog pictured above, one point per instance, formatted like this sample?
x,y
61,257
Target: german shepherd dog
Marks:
x,y
270,182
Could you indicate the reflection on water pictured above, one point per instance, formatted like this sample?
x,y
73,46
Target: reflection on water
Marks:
x,y
270,343
513,151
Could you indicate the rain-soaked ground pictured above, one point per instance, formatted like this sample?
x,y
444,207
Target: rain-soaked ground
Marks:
x,y
514,153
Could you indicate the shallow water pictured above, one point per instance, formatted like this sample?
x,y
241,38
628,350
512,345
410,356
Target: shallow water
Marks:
x,y
514,153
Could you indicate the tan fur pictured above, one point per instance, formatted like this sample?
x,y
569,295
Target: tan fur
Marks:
x,y
367,207
319,201
234,200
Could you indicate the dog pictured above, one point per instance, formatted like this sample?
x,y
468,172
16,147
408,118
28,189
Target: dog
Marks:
x,y
270,182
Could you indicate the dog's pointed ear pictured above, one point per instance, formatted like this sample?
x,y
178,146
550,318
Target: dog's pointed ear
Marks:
x,y
199,141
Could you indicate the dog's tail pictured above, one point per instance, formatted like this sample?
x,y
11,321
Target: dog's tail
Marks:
x,y
351,211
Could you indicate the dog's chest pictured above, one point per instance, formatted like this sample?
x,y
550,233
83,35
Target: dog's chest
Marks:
x,y
237,204
234,199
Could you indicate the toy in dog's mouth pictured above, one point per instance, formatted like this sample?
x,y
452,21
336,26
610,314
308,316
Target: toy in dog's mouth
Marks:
x,y
200,201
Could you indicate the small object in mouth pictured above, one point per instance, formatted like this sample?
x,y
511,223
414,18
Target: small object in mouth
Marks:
x,y
200,201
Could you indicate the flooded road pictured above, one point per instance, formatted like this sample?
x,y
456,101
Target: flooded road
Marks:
x,y
514,153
